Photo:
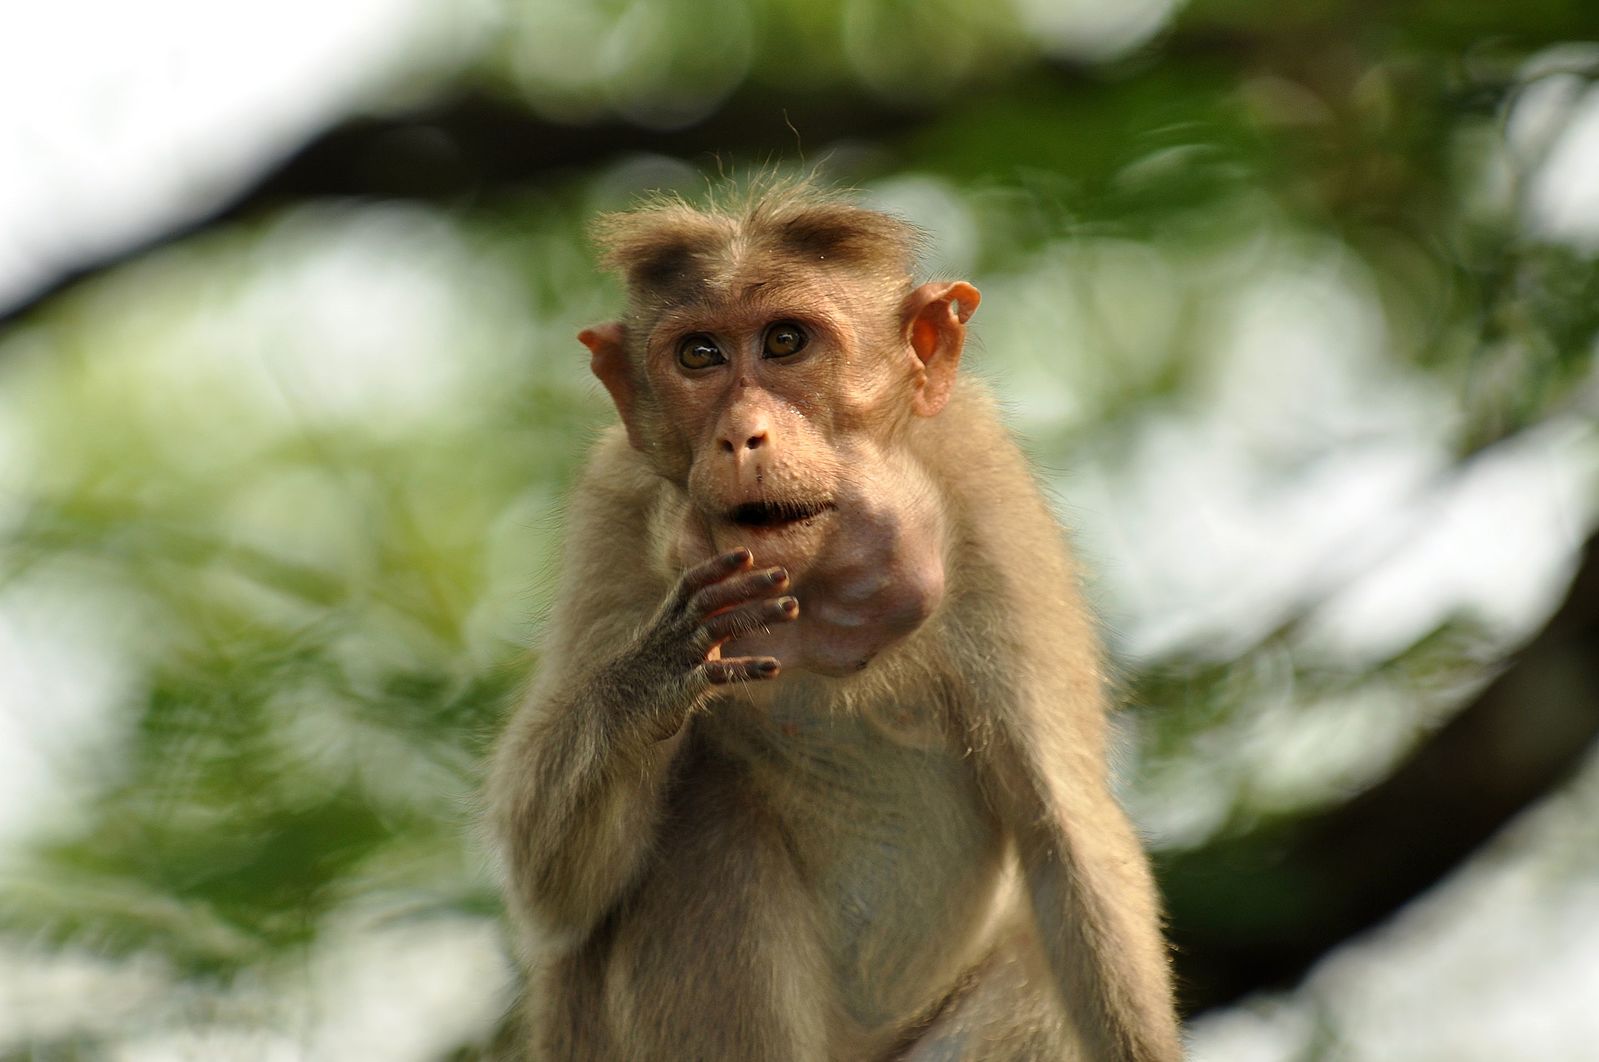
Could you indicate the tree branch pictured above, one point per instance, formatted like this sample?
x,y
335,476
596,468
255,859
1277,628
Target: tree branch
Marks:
x,y
1258,911
471,147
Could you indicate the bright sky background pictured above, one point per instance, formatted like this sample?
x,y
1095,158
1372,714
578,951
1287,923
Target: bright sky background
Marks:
x,y
125,119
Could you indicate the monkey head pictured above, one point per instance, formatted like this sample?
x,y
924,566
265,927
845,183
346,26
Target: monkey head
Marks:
x,y
772,365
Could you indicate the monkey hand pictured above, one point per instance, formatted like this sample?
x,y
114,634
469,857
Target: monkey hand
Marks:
x,y
679,651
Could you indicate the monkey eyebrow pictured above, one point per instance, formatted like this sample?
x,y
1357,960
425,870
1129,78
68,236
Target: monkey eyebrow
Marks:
x,y
722,305
685,320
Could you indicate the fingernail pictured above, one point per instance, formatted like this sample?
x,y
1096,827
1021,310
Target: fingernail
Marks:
x,y
788,604
778,576
769,667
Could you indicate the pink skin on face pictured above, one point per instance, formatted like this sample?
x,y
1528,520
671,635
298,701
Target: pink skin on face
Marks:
x,y
866,573
796,454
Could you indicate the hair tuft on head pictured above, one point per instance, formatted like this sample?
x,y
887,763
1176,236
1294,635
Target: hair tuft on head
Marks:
x,y
666,243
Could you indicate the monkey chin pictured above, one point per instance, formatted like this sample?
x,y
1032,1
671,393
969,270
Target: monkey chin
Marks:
x,y
789,534
863,585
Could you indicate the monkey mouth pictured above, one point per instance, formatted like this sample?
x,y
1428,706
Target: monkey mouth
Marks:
x,y
773,515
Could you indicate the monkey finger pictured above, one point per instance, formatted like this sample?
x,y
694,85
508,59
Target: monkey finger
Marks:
x,y
714,570
724,625
741,669
737,589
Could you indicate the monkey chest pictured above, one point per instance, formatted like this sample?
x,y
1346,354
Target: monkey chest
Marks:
x,y
896,856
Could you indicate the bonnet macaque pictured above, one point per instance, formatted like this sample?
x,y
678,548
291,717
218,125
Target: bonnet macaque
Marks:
x,y
814,767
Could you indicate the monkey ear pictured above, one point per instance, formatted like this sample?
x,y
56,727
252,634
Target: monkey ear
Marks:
x,y
609,361
935,327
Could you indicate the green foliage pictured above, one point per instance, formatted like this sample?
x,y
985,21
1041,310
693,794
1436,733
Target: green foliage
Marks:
x,y
306,471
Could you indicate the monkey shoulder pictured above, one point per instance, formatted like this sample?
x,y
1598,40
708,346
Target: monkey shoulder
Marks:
x,y
615,476
603,592
1014,623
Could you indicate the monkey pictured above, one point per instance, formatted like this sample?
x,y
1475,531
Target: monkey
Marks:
x,y
814,766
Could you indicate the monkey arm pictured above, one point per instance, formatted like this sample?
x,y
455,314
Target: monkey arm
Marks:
x,y
577,783
1095,906
1093,897
1030,662
578,777
1098,919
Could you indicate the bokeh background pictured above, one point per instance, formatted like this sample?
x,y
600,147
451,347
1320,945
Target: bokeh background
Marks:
x,y
1296,306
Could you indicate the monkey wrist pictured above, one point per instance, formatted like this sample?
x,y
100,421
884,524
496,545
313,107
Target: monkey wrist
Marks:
x,y
648,696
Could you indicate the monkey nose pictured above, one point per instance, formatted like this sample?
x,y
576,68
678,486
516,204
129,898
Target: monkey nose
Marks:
x,y
752,441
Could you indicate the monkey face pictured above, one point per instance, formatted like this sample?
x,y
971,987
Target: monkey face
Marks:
x,y
779,400
749,397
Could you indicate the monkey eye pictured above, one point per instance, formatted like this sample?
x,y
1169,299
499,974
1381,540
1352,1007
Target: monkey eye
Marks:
x,y
783,339
699,351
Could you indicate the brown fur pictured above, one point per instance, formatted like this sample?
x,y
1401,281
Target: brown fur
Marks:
x,y
906,846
